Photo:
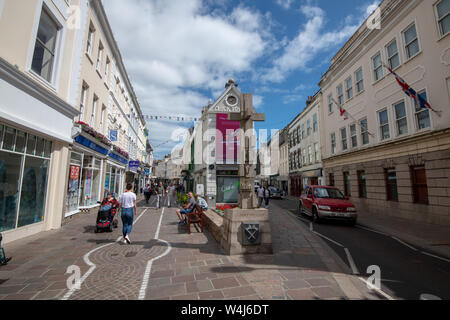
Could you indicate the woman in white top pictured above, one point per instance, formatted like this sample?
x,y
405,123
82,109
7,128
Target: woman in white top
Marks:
x,y
128,203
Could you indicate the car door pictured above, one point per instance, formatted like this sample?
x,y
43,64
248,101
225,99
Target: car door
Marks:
x,y
307,200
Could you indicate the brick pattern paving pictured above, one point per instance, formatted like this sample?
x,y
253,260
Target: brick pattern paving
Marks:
x,y
195,268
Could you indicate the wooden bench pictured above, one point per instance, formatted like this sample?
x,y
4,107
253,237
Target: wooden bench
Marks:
x,y
195,217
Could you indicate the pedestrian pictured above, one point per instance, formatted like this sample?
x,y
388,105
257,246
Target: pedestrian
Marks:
x,y
266,196
260,195
147,193
186,209
128,203
201,202
160,194
172,194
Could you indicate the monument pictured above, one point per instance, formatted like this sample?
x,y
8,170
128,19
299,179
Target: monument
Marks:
x,y
247,229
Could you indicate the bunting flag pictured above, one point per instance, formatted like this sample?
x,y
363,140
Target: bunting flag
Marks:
x,y
171,118
419,101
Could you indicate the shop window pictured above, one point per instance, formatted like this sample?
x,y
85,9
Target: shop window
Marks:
x,y
419,184
9,139
362,184
10,165
74,182
391,184
227,189
33,195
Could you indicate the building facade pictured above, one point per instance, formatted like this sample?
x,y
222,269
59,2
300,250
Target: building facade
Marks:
x,y
305,164
36,113
387,155
284,161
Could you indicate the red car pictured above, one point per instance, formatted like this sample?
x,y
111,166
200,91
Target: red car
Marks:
x,y
327,203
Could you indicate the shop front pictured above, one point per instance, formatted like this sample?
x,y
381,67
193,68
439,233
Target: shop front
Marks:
x,y
24,174
115,173
312,177
227,184
296,184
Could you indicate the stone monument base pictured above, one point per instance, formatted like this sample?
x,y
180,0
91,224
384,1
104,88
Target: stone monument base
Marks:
x,y
233,241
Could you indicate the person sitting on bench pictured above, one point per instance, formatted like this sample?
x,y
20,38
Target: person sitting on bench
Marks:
x,y
186,209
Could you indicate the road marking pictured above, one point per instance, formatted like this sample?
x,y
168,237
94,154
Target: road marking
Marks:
x,y
427,296
93,266
351,262
360,227
432,255
148,268
372,287
321,235
404,243
311,226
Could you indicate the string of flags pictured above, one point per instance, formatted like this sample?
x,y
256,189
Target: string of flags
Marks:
x,y
419,101
171,118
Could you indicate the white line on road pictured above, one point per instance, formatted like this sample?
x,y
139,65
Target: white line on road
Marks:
x,y
404,243
311,226
384,234
372,287
148,269
93,266
321,235
351,262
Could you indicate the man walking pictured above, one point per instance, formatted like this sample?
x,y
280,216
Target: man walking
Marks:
x,y
128,203
147,193
160,194
260,196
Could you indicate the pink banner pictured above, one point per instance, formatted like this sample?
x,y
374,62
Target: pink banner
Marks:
x,y
227,141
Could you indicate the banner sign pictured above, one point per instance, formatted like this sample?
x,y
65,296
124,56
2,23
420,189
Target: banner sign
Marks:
x,y
227,145
133,165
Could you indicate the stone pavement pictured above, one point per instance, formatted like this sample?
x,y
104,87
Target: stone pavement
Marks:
x,y
302,266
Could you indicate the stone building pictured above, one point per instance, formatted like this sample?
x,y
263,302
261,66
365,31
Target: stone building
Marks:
x,y
388,156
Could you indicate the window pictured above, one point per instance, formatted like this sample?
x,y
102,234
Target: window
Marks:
x,y
384,124
310,155
303,131
364,131
349,88
304,157
316,152
419,184
340,94
330,103
353,136
331,179
100,56
90,40
45,47
347,190
315,122
83,101
443,14
391,184
362,184
377,67
107,69
400,118
392,53
333,143
102,118
298,135
359,80
344,138
308,127
422,115
411,41
94,109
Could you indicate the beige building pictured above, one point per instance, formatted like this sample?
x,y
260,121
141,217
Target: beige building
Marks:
x,y
284,160
109,132
388,156
305,167
37,81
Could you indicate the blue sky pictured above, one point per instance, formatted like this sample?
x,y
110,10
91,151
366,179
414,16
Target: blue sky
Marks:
x,y
180,53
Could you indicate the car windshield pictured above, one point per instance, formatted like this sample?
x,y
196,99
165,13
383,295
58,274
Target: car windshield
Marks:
x,y
328,193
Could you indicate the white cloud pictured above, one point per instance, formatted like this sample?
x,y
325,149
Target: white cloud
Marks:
x,y
310,40
178,52
286,4
258,101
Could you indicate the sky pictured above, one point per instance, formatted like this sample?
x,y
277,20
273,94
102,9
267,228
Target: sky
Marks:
x,y
180,53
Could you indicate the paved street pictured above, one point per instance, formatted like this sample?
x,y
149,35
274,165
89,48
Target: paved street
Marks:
x,y
406,272
164,262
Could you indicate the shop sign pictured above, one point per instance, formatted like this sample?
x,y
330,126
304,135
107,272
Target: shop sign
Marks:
x,y
133,165
91,145
113,135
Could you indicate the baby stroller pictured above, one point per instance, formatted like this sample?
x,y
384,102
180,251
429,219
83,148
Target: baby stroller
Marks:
x,y
106,218
3,259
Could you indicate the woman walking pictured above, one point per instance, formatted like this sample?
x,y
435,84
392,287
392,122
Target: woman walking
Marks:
x,y
266,196
128,203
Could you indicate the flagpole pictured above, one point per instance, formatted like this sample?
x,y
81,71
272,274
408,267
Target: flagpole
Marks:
x,y
347,113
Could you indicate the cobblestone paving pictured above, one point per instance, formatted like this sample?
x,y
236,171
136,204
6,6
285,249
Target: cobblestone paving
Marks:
x,y
195,268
